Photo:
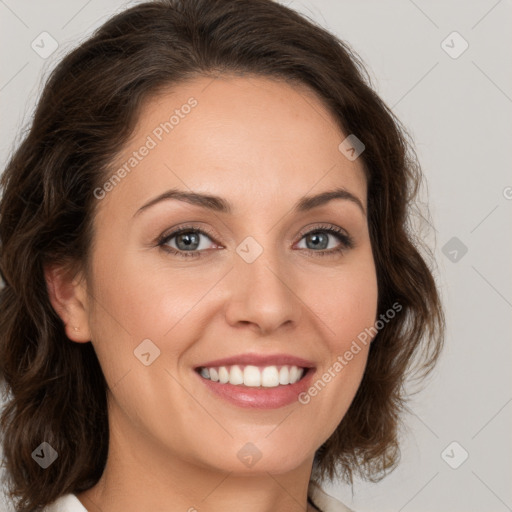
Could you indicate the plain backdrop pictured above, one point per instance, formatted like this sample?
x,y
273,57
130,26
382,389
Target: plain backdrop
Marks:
x,y
445,69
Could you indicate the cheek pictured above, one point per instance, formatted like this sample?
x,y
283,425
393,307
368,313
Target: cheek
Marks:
x,y
135,301
348,307
346,302
353,310
136,296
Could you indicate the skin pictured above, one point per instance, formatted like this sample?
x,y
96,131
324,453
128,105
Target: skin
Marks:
x,y
261,144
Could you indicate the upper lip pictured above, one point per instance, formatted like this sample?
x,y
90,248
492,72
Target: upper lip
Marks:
x,y
259,360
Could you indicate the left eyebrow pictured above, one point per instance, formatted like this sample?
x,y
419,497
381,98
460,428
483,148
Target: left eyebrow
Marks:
x,y
219,204
309,202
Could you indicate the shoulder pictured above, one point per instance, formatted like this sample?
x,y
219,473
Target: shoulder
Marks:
x,y
325,502
66,503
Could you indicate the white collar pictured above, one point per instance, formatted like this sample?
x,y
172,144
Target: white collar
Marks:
x,y
324,501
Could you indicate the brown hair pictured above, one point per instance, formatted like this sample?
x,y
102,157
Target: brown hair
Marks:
x,y
87,111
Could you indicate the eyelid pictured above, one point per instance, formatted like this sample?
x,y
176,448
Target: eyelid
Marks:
x,y
311,228
167,235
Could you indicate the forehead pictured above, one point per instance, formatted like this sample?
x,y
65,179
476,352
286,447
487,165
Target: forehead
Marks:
x,y
238,135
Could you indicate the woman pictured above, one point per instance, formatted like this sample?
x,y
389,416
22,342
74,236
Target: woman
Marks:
x,y
212,297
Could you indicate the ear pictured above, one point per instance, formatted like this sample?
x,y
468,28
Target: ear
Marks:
x,y
68,296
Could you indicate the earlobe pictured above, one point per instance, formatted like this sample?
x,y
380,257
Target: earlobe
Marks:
x,y
68,296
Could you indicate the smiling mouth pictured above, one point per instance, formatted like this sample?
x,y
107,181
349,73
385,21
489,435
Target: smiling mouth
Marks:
x,y
254,376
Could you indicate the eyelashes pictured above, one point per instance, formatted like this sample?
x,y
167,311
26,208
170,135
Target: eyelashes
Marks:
x,y
182,231
346,242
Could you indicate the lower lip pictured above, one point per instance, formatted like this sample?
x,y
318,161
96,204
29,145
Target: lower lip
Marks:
x,y
260,397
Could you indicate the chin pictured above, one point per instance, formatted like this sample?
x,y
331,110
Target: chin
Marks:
x,y
251,459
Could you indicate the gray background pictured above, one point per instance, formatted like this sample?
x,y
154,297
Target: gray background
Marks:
x,y
459,112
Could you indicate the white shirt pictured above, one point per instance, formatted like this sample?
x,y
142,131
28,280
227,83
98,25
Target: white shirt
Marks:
x,y
326,503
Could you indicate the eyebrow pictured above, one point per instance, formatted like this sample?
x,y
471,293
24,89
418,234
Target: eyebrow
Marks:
x,y
221,205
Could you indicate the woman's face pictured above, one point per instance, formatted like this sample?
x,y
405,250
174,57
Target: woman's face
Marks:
x,y
249,285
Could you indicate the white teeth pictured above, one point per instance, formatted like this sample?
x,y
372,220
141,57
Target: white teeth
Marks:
x,y
254,376
294,374
270,377
284,375
214,374
223,375
236,375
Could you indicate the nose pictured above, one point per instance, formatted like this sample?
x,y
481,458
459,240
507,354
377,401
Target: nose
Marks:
x,y
262,295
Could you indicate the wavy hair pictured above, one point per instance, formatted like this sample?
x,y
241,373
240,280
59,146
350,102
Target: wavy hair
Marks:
x,y
55,390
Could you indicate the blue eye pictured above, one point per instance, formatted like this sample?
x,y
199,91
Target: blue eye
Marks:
x,y
319,238
188,241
